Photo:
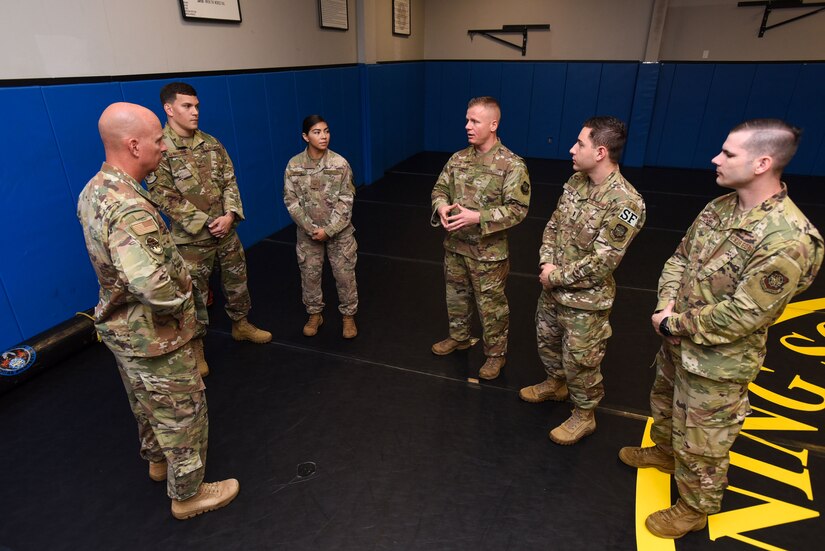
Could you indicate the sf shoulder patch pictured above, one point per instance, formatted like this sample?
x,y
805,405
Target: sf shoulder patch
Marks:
x,y
629,217
774,282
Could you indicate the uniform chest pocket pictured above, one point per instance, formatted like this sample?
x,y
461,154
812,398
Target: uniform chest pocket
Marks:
x,y
181,172
722,273
588,222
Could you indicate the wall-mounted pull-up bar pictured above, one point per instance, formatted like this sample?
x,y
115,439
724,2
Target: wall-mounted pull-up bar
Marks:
x,y
510,29
781,5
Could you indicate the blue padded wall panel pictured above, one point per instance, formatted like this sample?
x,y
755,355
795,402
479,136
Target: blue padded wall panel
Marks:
x,y
807,110
74,111
771,91
724,109
257,180
455,93
641,117
667,73
415,86
433,87
581,97
147,94
347,137
819,165
9,331
284,129
687,102
47,274
617,85
485,79
516,98
546,107
309,92
379,86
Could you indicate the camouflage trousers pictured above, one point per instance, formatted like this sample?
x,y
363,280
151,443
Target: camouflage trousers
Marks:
x,y
200,260
342,251
167,397
698,419
571,344
481,282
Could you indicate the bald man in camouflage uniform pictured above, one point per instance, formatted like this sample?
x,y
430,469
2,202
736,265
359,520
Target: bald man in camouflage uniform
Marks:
x,y
598,215
740,263
482,191
145,314
195,187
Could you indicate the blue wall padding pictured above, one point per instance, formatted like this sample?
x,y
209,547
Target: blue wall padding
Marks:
x,y
546,106
644,97
46,274
678,115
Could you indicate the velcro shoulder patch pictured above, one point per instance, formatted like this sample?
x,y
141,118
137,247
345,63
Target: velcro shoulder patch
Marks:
x,y
142,227
629,217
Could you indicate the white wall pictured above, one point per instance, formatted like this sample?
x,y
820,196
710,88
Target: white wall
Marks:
x,y
75,38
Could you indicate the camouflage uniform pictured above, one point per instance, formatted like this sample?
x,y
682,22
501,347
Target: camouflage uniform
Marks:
x,y
730,278
194,184
319,194
476,262
146,317
586,238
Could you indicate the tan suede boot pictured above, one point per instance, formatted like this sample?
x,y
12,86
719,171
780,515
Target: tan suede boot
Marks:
x,y
449,345
157,471
549,389
200,359
210,496
581,423
242,330
313,323
492,367
350,330
651,456
676,521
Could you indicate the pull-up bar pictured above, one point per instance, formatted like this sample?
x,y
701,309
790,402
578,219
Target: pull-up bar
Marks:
x,y
781,5
510,29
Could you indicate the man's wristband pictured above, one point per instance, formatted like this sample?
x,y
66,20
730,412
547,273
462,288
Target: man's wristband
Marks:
x,y
663,327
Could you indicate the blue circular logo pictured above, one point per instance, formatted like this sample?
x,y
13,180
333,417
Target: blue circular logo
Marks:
x,y
17,360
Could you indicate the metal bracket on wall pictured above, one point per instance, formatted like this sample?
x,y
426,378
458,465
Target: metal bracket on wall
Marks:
x,y
771,5
510,29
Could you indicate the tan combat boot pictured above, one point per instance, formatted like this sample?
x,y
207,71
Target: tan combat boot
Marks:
x,y
200,359
449,345
210,496
676,521
492,367
651,456
157,471
550,389
313,323
350,330
242,330
581,423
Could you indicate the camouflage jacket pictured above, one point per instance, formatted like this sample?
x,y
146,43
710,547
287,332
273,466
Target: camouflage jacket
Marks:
x,y
145,305
497,185
731,277
319,194
194,185
587,236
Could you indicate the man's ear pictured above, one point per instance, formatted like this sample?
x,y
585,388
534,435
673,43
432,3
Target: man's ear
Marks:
x,y
167,108
762,164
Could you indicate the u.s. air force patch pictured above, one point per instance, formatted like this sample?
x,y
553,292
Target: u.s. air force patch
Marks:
x,y
621,228
773,282
147,232
154,245
525,187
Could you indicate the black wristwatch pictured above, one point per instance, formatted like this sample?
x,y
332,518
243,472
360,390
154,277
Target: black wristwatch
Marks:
x,y
663,327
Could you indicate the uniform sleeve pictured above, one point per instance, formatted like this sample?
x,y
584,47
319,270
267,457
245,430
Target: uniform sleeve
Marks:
x,y
769,281
161,186
620,225
515,202
442,194
292,201
342,211
670,279
230,194
138,256
547,252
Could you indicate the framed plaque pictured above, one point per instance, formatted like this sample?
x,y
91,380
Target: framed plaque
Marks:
x,y
401,17
333,14
211,10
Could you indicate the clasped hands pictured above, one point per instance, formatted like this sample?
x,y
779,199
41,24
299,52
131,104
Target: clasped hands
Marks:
x,y
221,225
656,320
463,218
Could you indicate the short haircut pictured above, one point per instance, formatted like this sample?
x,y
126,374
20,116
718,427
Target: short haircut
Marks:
x,y
311,121
608,132
488,102
772,137
170,92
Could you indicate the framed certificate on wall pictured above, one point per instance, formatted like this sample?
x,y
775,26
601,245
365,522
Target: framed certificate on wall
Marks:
x,y
401,17
333,14
211,10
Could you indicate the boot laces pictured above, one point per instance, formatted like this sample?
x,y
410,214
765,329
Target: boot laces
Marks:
x,y
212,488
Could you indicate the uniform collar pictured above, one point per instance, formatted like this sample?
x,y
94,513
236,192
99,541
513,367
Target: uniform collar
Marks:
x,y
488,154
179,141
749,220
310,163
115,172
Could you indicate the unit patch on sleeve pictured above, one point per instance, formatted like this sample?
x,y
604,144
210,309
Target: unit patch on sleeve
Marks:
x,y
774,282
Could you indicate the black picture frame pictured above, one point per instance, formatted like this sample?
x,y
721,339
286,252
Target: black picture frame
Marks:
x,y
401,22
226,11
333,14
